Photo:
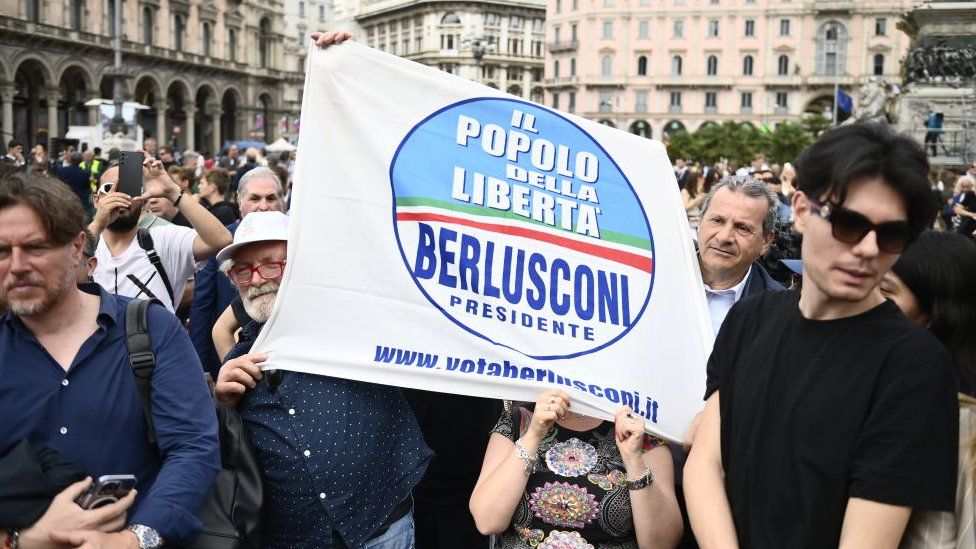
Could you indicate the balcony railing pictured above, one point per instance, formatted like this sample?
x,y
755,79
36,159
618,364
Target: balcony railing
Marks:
x,y
569,45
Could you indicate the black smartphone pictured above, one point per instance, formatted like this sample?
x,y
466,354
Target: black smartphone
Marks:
x,y
130,173
106,490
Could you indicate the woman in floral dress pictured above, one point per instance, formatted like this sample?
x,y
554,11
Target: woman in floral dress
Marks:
x,y
553,479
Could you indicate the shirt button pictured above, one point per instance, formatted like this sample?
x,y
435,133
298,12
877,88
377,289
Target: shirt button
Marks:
x,y
291,411
307,453
322,495
64,382
64,430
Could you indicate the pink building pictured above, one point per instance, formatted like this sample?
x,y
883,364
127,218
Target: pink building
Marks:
x,y
656,66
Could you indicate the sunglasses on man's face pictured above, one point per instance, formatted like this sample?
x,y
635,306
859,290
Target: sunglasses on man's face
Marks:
x,y
851,227
105,188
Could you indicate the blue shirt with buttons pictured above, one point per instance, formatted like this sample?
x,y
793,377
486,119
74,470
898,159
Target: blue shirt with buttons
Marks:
x,y
91,414
335,454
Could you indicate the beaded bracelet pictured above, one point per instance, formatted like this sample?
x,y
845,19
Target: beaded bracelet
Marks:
x,y
529,458
642,481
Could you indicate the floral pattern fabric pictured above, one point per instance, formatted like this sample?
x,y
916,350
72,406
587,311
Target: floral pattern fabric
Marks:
x,y
574,498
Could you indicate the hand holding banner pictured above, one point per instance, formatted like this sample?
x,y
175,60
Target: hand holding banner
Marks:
x,y
452,238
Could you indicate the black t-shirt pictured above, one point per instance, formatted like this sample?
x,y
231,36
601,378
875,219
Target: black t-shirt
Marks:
x,y
967,224
816,412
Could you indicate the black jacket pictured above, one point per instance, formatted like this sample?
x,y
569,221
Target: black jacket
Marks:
x,y
29,479
760,281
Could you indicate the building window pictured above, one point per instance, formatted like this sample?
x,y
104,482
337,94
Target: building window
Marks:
x,y
783,65
711,100
555,100
674,104
110,24
676,65
750,27
571,96
555,69
321,13
449,68
207,37
77,14
678,29
559,6
264,43
713,29
147,25
492,19
782,100
514,22
881,27
608,29
640,101
606,101
879,64
831,49
447,41
555,34
572,66
232,44
784,27
645,2
642,65
573,32
301,9
34,11
606,65
711,65
644,29
747,65
746,102
607,3
575,5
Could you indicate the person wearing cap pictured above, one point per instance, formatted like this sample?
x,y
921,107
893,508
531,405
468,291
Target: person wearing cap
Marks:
x,y
339,458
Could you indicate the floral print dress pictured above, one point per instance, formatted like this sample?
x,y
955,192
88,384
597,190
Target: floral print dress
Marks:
x,y
574,498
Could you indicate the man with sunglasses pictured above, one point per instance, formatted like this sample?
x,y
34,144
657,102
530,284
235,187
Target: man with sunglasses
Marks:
x,y
830,415
339,458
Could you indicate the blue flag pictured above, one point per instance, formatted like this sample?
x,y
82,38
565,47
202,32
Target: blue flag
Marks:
x,y
844,101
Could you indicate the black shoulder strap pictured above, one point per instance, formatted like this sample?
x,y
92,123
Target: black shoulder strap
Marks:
x,y
146,243
143,362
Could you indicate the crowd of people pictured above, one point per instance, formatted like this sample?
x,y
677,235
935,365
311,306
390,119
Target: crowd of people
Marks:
x,y
838,412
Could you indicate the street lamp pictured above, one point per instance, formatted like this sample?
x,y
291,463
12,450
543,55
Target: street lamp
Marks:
x,y
117,125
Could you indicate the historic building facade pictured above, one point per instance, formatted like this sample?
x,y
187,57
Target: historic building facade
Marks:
x,y
498,43
658,66
209,71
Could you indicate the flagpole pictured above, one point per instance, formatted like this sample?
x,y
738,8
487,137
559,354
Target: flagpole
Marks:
x,y
833,120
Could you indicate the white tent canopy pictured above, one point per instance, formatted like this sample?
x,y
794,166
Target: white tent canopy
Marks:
x,y
280,146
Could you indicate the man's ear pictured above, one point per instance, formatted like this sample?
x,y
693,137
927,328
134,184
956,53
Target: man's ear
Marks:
x,y
801,209
78,247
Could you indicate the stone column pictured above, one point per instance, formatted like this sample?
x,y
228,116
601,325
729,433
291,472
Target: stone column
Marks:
x,y
160,136
191,127
7,131
93,113
216,114
52,96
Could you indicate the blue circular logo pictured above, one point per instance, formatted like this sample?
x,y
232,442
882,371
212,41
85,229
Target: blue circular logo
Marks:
x,y
520,228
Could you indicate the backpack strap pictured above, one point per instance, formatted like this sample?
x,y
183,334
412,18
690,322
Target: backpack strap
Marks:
x,y
146,243
141,358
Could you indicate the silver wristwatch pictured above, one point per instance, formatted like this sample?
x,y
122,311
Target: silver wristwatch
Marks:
x,y
148,538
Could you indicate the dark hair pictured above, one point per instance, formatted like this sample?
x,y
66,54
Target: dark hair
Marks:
x,y
711,177
61,213
219,178
14,143
938,268
846,154
90,245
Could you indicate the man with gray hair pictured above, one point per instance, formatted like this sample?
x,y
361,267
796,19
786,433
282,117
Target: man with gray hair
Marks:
x,y
737,226
259,191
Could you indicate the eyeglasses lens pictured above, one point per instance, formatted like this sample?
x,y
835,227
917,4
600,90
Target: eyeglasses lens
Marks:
x,y
851,227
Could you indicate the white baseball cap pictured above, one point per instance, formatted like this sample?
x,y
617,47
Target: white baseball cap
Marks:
x,y
257,227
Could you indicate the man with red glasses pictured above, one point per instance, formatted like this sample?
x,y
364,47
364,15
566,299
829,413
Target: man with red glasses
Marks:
x,y
830,415
339,458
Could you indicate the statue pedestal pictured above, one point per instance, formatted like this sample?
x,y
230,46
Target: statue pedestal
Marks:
x,y
119,141
940,77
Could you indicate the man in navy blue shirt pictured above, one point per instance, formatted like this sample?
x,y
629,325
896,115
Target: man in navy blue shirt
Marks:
x,y
66,383
339,458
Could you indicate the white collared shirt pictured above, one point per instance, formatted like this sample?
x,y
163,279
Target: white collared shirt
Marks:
x,y
720,301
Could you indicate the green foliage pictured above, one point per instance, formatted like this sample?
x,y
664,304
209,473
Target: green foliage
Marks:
x,y
737,142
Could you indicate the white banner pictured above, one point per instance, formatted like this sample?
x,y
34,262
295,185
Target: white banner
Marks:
x,y
449,237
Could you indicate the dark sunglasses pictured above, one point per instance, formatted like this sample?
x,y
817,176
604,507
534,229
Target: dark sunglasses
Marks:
x,y
851,227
